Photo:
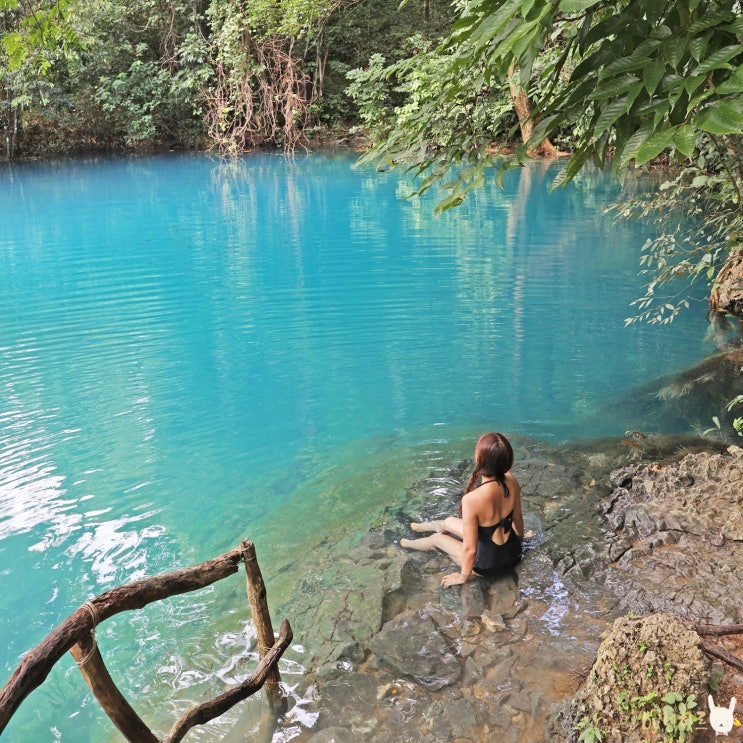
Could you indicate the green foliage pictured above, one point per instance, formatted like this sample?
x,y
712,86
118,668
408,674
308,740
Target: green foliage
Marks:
x,y
148,72
641,78
590,729
672,716
417,94
698,221
679,716
36,33
371,90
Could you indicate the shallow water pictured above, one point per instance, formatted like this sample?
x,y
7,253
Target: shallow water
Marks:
x,y
194,352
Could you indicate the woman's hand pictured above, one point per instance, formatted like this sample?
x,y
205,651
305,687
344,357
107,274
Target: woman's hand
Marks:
x,y
453,579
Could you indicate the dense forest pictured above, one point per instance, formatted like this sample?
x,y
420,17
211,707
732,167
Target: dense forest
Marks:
x,y
230,75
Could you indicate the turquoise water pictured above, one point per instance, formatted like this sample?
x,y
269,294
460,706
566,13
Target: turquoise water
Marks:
x,y
192,352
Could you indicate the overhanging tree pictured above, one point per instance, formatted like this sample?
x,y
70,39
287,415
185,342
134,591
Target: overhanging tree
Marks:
x,y
629,79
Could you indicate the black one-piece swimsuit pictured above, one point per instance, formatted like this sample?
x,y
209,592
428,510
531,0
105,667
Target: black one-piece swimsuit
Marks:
x,y
492,559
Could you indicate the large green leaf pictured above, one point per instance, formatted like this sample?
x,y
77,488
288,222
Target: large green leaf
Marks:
x,y
671,83
576,6
629,147
652,75
545,127
736,27
609,114
593,63
483,30
654,10
698,47
727,118
653,146
614,87
577,161
714,19
719,59
625,64
609,26
673,50
734,84
685,140
693,82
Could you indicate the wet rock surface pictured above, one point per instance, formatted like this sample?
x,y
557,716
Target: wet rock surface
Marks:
x,y
389,655
678,536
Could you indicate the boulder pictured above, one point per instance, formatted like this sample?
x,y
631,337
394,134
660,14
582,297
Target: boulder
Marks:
x,y
413,647
676,536
643,666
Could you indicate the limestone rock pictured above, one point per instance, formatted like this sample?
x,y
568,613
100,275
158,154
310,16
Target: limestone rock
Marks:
x,y
677,536
640,661
727,294
413,647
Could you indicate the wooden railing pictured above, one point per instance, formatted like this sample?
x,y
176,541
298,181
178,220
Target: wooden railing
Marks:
x,y
76,634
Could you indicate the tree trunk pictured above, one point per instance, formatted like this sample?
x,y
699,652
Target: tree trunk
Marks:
x,y
524,111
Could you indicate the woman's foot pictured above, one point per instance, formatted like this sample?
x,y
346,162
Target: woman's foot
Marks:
x,y
425,544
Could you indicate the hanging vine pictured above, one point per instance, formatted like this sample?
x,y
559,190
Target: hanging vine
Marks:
x,y
260,101
261,90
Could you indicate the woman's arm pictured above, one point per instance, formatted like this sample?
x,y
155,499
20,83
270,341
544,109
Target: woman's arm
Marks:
x,y
469,545
518,518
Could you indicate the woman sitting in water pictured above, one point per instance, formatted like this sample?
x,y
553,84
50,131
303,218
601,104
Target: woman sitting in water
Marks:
x,y
491,527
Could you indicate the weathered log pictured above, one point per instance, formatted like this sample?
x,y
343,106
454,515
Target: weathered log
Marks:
x,y
262,621
719,629
717,652
112,701
39,661
201,713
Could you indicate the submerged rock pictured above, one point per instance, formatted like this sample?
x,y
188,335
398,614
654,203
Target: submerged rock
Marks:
x,y
392,656
413,647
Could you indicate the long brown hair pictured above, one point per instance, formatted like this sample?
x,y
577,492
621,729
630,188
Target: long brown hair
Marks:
x,y
493,458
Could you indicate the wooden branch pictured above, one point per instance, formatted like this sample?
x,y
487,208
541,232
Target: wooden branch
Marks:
x,y
719,629
112,701
40,660
718,652
262,621
201,713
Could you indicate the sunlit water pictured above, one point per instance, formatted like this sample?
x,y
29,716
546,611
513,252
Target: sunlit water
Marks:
x,y
194,352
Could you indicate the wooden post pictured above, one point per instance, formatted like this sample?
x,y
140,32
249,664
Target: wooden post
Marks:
x,y
96,676
262,622
40,660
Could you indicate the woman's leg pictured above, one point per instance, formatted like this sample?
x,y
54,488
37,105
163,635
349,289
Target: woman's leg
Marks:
x,y
451,524
452,547
427,525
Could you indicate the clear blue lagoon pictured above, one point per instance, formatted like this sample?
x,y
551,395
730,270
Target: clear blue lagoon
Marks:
x,y
193,352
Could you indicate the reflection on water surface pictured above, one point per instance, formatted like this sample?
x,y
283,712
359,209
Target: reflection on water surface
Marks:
x,y
195,351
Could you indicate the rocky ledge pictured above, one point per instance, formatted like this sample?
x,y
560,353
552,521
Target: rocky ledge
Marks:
x,y
678,544
391,656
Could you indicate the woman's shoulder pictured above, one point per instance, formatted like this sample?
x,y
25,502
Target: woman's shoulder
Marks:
x,y
512,482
